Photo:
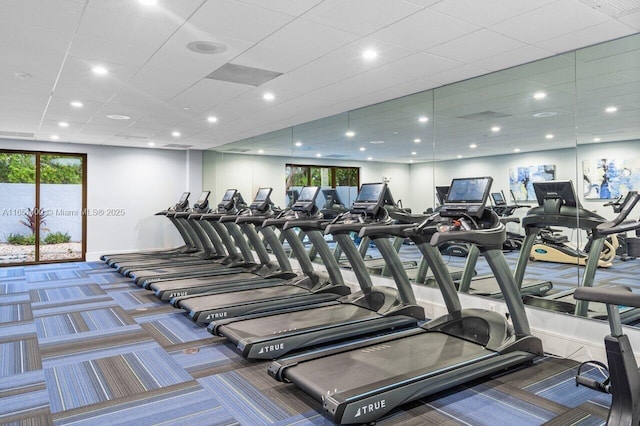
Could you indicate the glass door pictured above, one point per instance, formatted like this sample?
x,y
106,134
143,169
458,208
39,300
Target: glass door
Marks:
x,y
19,216
42,210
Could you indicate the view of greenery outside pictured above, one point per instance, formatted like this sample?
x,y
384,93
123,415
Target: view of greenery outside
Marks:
x,y
302,175
21,168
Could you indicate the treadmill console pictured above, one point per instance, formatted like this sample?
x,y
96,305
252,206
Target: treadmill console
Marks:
x,y
203,201
227,200
467,197
554,194
498,199
261,201
306,201
371,198
183,202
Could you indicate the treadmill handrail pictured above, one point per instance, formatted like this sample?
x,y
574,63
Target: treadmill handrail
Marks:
x,y
386,230
618,295
484,238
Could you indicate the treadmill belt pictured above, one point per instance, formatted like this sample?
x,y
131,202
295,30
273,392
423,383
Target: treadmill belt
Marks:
x,y
214,301
297,321
358,371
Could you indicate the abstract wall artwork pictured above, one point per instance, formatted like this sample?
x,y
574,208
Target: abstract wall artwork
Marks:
x,y
521,179
610,178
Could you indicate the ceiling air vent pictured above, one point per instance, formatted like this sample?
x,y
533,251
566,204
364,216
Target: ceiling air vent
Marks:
x,y
177,145
238,150
484,115
19,135
614,8
240,74
336,156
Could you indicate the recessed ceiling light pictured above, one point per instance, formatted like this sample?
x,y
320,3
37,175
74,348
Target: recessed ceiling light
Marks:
x,y
268,96
473,146
151,144
261,151
149,2
596,139
411,161
206,47
76,104
175,134
63,124
539,95
549,136
350,134
298,143
545,114
376,142
423,119
369,158
414,153
495,129
362,148
118,117
611,109
55,137
318,155
99,70
369,54
459,155
22,75
516,150
417,140
212,119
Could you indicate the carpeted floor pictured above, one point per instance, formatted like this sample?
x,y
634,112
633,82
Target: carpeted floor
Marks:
x,y
79,344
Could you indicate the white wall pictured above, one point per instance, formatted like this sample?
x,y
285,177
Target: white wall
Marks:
x,y
139,181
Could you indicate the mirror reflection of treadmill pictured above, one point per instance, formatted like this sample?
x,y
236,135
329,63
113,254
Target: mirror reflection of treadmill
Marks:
x,y
486,285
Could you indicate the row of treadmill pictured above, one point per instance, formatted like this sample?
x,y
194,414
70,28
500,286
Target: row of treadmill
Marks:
x,y
270,280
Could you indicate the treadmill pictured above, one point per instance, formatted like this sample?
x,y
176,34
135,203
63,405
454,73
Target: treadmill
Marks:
x,y
373,309
361,381
266,273
188,247
310,288
204,247
558,206
145,277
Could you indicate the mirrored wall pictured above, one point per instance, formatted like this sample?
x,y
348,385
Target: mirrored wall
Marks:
x,y
572,117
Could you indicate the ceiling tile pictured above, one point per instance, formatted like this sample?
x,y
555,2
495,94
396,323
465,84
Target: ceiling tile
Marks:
x,y
487,12
60,16
424,30
207,94
289,7
550,21
512,58
584,37
475,46
360,16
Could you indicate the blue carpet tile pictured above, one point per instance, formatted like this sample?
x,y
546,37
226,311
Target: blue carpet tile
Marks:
x,y
80,345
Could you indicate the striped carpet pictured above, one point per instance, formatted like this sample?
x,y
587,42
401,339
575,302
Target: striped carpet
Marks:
x,y
80,345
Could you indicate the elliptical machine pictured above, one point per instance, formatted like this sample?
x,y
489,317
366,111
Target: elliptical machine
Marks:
x,y
623,382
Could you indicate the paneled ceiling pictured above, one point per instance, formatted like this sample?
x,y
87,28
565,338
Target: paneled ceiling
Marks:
x,y
314,48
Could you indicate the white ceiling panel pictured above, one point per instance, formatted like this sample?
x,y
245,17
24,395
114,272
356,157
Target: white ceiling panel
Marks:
x,y
360,16
550,21
424,30
476,46
236,20
632,20
605,31
512,58
488,12
289,7
60,16
34,40
457,74
207,94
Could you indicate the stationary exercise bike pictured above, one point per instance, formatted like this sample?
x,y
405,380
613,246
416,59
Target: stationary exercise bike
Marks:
x,y
623,382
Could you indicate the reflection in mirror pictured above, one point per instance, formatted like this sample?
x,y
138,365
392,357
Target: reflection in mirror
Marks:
x,y
608,158
518,127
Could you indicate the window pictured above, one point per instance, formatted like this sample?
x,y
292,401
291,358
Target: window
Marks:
x,y
346,180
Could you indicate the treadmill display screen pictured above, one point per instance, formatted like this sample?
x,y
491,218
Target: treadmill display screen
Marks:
x,y
370,193
184,197
469,191
332,194
204,195
262,195
498,200
562,189
308,194
228,196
